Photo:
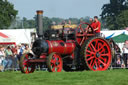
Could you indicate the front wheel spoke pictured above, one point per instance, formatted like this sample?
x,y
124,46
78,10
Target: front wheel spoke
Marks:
x,y
58,67
53,69
27,70
24,67
52,61
25,63
54,56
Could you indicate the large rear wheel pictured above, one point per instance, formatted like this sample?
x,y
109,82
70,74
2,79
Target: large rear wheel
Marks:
x,y
97,54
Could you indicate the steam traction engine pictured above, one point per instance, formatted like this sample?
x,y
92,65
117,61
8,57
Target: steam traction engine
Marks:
x,y
75,50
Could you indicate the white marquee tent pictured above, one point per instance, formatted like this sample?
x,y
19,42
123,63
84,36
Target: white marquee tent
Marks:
x,y
19,35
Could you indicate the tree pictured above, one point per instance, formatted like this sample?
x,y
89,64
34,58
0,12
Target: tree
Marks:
x,y
122,19
31,23
110,12
57,20
7,14
47,22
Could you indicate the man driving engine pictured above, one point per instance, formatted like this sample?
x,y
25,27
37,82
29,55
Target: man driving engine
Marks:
x,y
96,26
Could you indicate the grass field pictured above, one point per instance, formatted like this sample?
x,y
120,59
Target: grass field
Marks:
x,y
109,77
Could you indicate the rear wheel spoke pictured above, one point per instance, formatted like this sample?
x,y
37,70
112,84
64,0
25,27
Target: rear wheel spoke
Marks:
x,y
91,62
93,47
96,44
96,65
101,47
104,59
102,62
104,54
102,51
90,52
92,57
90,48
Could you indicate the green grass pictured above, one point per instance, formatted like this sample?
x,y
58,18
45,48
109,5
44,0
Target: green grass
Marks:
x,y
109,77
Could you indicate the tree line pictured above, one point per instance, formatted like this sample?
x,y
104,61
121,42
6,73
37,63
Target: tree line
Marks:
x,y
115,14
113,17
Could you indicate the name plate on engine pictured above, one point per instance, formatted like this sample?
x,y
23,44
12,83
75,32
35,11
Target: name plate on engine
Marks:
x,y
55,44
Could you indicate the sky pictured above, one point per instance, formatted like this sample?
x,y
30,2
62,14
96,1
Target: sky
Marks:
x,y
59,8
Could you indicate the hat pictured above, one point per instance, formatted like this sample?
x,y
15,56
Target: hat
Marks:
x,y
96,17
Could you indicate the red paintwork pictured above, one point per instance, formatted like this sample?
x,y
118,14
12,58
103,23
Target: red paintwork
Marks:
x,y
40,60
67,48
43,55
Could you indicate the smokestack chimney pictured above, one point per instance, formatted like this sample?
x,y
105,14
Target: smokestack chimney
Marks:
x,y
40,23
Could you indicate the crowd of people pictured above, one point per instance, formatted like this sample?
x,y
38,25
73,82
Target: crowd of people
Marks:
x,y
10,56
120,59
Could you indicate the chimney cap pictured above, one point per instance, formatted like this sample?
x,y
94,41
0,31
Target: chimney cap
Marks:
x,y
39,11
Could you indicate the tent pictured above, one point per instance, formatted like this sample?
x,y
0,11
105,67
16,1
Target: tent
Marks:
x,y
6,40
20,35
120,38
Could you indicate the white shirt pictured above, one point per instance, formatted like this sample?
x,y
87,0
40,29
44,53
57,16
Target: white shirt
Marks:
x,y
125,48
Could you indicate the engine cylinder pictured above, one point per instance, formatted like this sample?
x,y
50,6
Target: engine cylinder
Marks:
x,y
61,47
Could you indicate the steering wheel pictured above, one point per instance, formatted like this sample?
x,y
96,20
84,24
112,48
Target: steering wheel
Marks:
x,y
81,34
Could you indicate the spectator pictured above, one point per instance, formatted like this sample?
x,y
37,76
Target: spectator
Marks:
x,y
9,57
14,59
2,58
20,50
125,53
26,50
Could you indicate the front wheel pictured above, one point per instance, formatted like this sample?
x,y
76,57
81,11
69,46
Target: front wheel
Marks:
x,y
97,54
25,66
54,62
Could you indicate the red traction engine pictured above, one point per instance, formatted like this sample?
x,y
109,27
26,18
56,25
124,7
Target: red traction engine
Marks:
x,y
75,50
